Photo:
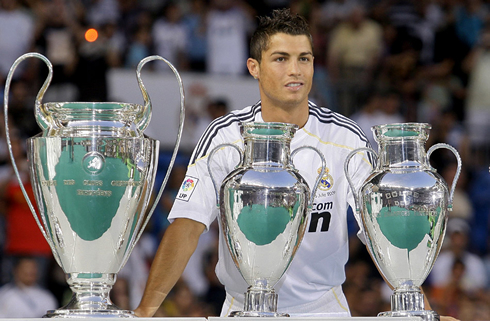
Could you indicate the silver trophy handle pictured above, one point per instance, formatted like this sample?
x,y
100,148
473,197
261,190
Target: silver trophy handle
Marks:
x,y
215,184
41,121
320,175
144,121
40,115
346,172
458,170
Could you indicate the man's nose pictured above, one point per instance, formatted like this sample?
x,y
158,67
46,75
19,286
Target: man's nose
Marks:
x,y
294,67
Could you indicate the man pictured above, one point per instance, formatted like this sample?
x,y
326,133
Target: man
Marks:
x,y
353,55
282,62
474,278
24,298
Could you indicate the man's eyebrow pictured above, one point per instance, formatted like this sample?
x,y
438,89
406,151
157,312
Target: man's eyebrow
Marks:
x,y
282,53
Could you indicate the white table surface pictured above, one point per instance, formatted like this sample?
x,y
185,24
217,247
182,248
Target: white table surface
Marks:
x,y
235,318
293,318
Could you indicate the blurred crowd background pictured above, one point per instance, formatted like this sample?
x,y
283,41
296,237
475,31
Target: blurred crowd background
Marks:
x,y
377,61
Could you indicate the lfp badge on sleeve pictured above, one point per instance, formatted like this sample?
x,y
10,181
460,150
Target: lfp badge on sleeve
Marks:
x,y
187,188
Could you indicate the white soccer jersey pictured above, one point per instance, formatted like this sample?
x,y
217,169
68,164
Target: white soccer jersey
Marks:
x,y
318,265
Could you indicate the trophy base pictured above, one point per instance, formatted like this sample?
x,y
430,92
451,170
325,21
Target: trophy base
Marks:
x,y
425,315
259,302
79,313
257,314
409,302
90,298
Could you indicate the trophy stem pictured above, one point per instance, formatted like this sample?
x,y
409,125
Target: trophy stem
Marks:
x,y
259,302
409,302
90,298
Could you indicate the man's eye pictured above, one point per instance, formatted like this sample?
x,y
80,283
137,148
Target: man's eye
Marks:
x,y
280,59
305,59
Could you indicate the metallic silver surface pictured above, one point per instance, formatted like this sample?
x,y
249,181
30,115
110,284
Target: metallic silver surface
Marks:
x,y
92,172
403,205
263,211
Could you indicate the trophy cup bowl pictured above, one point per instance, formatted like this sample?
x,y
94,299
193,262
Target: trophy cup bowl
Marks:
x,y
263,211
92,171
403,205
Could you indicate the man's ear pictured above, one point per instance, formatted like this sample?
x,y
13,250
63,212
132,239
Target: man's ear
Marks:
x,y
253,67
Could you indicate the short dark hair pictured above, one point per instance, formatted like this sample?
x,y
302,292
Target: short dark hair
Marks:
x,y
282,21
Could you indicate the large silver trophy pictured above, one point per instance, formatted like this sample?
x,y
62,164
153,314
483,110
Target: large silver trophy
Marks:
x,y
263,205
92,172
403,205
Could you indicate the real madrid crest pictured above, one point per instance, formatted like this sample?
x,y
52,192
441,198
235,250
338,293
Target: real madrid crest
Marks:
x,y
326,182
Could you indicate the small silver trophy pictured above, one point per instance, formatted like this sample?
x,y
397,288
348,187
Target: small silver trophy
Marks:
x,y
403,205
263,205
92,171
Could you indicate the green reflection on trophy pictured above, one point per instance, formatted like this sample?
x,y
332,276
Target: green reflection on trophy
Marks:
x,y
92,171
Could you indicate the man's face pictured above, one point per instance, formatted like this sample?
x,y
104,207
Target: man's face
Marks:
x,y
26,272
285,72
